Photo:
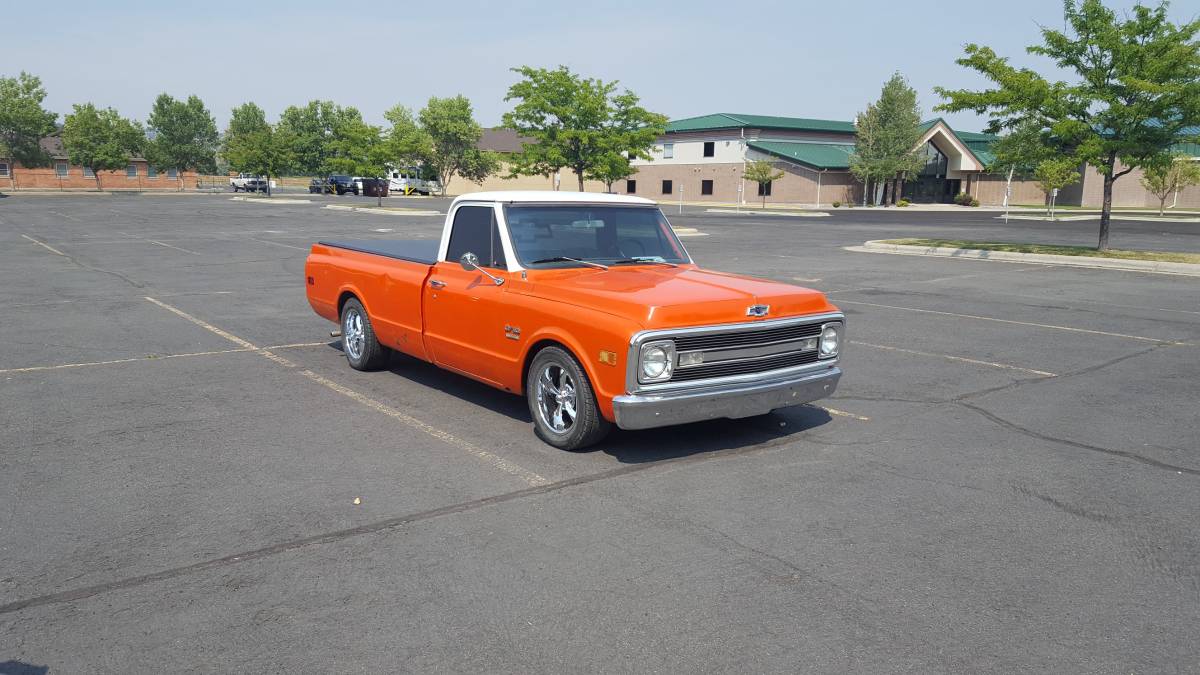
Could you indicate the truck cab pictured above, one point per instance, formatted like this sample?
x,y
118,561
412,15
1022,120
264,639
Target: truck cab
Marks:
x,y
589,306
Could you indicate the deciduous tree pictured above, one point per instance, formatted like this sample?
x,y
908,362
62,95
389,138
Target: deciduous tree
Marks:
x,y
183,136
886,137
762,172
577,122
252,145
1136,89
452,132
1169,175
23,121
1055,174
100,139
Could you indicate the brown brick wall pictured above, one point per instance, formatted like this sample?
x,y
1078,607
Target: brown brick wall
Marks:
x,y
797,186
46,178
989,190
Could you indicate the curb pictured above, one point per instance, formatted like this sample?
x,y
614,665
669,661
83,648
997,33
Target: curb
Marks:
x,y
269,200
688,232
384,211
794,214
1153,266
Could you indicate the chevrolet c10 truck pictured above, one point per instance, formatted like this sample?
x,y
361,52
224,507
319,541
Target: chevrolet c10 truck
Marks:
x,y
589,306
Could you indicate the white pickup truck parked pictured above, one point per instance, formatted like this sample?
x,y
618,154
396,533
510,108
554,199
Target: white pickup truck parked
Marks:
x,y
248,182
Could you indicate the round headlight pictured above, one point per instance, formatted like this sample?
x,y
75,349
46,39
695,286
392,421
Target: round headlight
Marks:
x,y
655,362
830,337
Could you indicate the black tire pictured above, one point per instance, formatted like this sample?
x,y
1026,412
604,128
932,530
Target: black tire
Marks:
x,y
365,353
588,426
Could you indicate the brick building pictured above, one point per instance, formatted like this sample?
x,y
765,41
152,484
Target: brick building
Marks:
x,y
62,175
704,158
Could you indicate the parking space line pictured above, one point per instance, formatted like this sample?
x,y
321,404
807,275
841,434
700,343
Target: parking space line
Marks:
x,y
275,243
44,245
955,358
86,364
496,461
1023,323
152,241
841,413
228,336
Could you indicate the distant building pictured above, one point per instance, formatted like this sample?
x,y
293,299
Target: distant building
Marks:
x,y
62,175
704,158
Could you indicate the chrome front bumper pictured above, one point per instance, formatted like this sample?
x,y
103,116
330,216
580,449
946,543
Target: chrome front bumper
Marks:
x,y
648,410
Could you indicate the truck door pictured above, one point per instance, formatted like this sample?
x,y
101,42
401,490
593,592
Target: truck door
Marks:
x,y
464,310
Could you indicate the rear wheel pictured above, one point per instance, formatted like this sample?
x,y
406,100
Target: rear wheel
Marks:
x,y
562,402
359,343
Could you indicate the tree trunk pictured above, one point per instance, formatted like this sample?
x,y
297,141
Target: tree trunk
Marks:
x,y
764,204
579,175
97,175
1106,209
1162,205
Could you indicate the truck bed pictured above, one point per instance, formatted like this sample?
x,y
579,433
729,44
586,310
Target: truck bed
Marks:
x,y
423,251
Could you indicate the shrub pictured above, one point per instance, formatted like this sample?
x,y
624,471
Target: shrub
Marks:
x,y
902,203
964,199
974,202
836,204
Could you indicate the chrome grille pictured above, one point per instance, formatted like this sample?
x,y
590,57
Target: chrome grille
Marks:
x,y
688,343
762,365
746,350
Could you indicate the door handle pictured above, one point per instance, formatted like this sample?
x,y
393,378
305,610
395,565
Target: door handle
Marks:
x,y
434,283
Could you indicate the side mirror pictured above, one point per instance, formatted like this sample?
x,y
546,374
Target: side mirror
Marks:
x,y
469,261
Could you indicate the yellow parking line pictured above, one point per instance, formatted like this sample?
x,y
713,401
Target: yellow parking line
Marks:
x,y
1022,323
955,358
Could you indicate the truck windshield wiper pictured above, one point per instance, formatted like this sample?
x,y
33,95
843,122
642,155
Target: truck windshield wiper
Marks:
x,y
563,258
646,260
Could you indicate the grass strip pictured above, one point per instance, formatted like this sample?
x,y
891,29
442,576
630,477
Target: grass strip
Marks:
x,y
1050,249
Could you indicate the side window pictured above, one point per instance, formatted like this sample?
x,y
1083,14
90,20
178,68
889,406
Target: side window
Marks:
x,y
709,148
475,231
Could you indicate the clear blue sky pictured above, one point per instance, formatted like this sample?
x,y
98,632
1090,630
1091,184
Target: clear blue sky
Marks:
x,y
823,59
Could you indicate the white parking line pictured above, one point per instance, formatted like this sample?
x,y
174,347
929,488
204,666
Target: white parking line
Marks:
x,y
955,358
46,246
85,364
841,413
170,246
275,243
489,457
1023,323
446,437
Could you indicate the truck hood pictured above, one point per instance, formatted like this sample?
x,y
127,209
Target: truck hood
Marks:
x,y
671,297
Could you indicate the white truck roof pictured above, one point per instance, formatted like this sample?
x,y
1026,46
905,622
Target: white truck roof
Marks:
x,y
552,196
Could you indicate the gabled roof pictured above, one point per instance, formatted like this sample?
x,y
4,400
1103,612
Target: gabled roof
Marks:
x,y
816,155
740,121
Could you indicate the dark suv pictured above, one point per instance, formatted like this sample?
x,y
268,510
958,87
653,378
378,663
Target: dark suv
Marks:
x,y
343,184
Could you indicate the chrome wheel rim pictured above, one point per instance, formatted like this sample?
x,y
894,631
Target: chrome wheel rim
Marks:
x,y
353,337
557,398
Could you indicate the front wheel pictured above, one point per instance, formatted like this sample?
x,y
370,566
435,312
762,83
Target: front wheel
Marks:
x,y
362,348
562,402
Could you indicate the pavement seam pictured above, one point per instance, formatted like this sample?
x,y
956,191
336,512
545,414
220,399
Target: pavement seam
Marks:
x,y
949,357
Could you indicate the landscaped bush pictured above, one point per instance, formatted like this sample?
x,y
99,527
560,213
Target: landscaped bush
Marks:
x,y
836,204
962,199
903,202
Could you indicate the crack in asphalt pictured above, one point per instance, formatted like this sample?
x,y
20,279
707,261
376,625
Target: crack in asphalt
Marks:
x,y
773,440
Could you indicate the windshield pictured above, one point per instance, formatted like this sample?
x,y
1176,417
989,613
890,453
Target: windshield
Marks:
x,y
594,233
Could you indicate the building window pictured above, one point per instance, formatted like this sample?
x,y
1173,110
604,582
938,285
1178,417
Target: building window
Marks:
x,y
173,174
60,169
89,172
706,187
764,189
710,148
668,150
131,171
3,169
151,172
631,187
667,187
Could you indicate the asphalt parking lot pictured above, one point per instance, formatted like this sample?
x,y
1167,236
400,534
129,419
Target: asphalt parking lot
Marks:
x,y
1008,478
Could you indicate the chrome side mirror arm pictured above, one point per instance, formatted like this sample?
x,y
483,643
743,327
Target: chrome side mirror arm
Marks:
x,y
469,261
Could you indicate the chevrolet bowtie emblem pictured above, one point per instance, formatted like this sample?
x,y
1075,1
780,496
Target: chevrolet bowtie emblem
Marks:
x,y
758,310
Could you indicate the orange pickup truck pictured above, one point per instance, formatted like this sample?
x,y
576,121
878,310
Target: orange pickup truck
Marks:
x,y
588,305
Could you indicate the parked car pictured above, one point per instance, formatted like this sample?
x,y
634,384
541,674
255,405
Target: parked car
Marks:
x,y
343,184
408,181
589,305
239,182
320,186
255,185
